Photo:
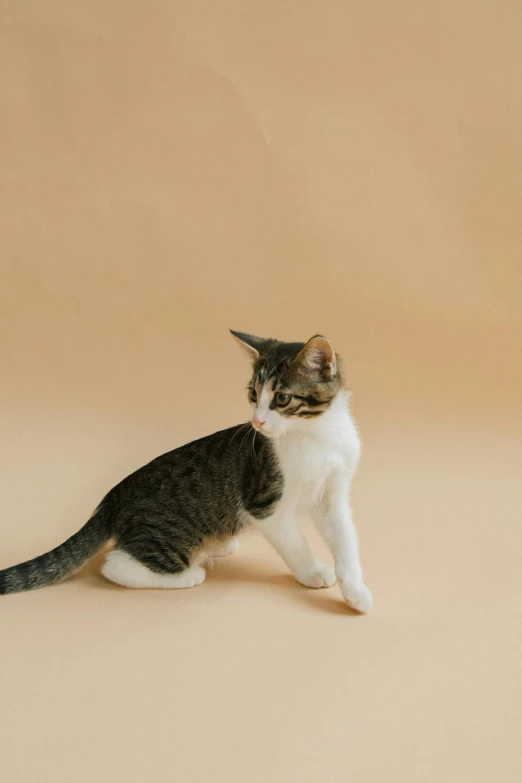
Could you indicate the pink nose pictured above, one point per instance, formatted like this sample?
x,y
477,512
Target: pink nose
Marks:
x,y
257,423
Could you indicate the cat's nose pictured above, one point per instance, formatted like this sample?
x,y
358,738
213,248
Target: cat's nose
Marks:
x,y
257,422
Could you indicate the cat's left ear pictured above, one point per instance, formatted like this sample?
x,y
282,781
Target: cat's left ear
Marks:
x,y
253,345
318,355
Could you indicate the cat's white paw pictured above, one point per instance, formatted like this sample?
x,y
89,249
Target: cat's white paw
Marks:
x,y
357,596
321,576
193,576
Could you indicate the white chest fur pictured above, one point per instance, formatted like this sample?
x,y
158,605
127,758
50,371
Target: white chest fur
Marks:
x,y
324,446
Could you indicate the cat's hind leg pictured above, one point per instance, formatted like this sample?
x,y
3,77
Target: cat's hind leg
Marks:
x,y
223,548
214,549
124,569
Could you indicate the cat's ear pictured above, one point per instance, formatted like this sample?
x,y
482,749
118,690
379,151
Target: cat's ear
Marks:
x,y
251,344
318,355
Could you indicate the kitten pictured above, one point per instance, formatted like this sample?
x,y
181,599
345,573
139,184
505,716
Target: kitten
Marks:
x,y
297,454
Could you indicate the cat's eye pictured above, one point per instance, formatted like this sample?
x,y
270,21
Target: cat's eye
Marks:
x,y
252,395
282,399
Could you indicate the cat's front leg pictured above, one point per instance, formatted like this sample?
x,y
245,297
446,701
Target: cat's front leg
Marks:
x,y
283,532
333,518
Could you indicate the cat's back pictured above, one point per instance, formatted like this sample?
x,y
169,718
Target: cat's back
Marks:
x,y
214,453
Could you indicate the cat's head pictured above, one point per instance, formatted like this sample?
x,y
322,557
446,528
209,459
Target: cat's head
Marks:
x,y
292,384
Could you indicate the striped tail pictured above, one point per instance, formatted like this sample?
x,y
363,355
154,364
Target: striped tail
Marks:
x,y
62,562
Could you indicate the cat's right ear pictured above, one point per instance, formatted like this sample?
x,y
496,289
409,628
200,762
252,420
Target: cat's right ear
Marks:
x,y
251,344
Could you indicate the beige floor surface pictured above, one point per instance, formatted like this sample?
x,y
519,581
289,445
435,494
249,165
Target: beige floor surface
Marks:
x,y
250,677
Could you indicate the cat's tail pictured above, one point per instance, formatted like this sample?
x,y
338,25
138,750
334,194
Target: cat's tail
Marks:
x,y
62,562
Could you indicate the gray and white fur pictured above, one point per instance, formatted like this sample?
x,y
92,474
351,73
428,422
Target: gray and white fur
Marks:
x,y
298,454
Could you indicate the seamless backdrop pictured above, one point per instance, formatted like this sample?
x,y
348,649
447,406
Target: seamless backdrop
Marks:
x,y
172,169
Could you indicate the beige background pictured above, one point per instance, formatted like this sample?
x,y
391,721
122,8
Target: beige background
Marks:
x,y
168,170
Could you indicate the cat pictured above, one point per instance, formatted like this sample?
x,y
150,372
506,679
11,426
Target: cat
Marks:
x,y
170,517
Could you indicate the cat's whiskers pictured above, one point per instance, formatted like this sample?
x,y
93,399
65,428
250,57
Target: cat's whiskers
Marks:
x,y
246,435
246,424
253,444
